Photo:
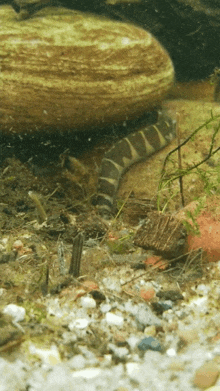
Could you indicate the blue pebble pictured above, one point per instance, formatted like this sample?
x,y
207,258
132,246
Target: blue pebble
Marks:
x,y
150,343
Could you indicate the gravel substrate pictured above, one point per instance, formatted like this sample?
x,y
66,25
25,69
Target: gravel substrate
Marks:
x,y
142,350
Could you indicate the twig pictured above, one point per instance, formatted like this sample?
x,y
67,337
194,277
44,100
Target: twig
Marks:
x,y
61,259
179,161
161,264
78,242
39,206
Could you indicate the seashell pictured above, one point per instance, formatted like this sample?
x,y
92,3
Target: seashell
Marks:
x,y
67,70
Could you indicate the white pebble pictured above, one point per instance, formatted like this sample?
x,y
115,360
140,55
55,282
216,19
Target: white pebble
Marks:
x,y
88,302
203,289
171,352
77,362
48,356
105,308
119,352
107,360
114,320
131,308
53,308
133,341
17,313
132,369
80,323
89,373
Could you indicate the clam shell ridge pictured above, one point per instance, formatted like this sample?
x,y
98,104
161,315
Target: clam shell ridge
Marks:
x,y
73,70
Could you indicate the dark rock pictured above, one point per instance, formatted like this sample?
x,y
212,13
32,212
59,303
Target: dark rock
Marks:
x,y
161,306
97,295
150,343
170,295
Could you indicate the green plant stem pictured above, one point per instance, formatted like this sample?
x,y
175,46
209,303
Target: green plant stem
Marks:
x,y
182,172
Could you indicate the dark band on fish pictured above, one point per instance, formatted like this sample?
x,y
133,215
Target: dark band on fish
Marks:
x,y
134,148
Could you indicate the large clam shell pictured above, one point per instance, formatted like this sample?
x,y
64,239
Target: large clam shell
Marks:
x,y
62,69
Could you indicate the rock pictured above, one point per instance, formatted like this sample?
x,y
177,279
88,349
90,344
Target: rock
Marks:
x,y
145,317
114,320
206,375
15,311
150,343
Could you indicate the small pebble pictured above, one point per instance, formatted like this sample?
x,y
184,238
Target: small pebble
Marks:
x,y
133,341
87,302
172,295
166,305
203,289
188,336
132,369
120,338
150,343
77,362
119,352
97,295
207,375
150,331
114,320
48,356
105,308
17,312
80,323
147,293
106,360
171,352
88,373
145,317
162,306
90,285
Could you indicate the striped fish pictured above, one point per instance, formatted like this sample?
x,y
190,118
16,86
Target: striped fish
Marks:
x,y
134,148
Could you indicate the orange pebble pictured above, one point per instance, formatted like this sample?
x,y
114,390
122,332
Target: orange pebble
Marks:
x,y
147,293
